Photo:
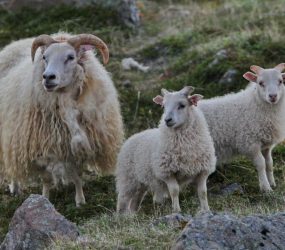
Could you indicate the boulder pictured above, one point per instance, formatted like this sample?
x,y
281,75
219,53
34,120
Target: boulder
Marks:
x,y
228,232
127,10
36,224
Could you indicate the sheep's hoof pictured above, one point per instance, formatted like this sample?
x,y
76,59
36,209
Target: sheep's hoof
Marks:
x,y
176,210
79,204
266,189
272,184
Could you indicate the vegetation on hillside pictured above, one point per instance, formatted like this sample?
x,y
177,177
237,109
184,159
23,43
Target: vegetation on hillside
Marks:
x,y
179,42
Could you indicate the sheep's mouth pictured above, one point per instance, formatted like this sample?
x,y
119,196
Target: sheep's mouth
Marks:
x,y
50,87
170,124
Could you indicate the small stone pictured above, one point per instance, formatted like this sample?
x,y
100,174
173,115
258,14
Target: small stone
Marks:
x,y
229,76
175,220
232,189
220,55
36,224
127,83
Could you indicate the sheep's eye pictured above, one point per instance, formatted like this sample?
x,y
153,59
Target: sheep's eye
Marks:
x,y
261,83
70,57
44,58
181,106
280,81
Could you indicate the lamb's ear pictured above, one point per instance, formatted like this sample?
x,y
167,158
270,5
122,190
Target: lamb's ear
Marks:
x,y
193,99
256,69
187,90
158,100
280,67
250,76
164,92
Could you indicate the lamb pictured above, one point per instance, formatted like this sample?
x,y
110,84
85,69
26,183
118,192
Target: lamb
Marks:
x,y
250,122
64,104
178,152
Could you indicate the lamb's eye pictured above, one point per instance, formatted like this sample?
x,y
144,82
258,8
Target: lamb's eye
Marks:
x,y
280,81
261,83
70,57
181,106
44,58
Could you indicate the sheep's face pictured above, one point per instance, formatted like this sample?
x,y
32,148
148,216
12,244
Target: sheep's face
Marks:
x,y
176,106
269,82
60,60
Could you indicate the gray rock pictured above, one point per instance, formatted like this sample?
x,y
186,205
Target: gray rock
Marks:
x,y
36,224
227,232
232,189
220,55
174,220
229,76
127,10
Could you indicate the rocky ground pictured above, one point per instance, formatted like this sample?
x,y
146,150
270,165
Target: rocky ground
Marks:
x,y
208,44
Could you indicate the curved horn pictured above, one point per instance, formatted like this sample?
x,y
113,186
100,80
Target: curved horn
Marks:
x,y
256,69
84,39
42,40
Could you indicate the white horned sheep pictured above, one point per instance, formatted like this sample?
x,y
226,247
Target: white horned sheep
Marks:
x,y
164,159
64,104
250,122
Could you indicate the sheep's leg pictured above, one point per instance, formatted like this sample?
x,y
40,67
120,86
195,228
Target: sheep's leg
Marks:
x,y
123,202
259,163
79,195
129,198
14,188
173,188
46,188
137,199
269,166
201,182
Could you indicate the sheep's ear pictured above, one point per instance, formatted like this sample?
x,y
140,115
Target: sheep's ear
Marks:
x,y
283,76
158,100
280,67
82,49
193,99
164,92
256,69
250,77
187,90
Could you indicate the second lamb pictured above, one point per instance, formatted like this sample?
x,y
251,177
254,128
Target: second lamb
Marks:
x,y
164,159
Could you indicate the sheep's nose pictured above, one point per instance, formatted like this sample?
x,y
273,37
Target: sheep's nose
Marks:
x,y
273,97
49,77
168,121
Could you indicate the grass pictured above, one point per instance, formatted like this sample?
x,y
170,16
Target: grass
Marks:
x,y
178,42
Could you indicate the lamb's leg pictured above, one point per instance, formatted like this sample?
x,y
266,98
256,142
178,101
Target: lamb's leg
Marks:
x,y
259,163
201,182
123,202
137,199
173,188
79,196
269,166
14,188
